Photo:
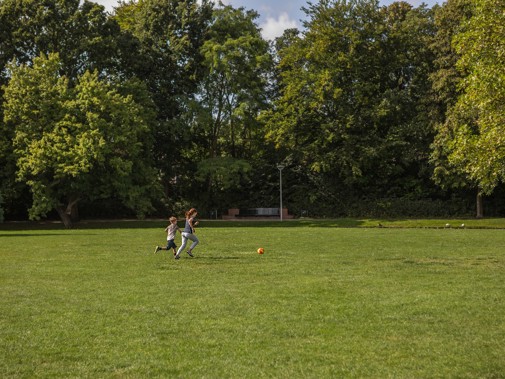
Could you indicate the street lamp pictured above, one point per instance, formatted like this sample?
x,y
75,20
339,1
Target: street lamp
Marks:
x,y
280,167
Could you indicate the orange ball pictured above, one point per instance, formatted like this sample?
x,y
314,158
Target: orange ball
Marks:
x,y
261,250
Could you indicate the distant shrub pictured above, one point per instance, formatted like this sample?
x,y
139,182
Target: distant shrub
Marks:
x,y
410,208
1,209
385,208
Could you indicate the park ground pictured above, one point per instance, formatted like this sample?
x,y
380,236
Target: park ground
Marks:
x,y
329,298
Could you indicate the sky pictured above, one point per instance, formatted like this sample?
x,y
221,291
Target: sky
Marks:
x,y
278,15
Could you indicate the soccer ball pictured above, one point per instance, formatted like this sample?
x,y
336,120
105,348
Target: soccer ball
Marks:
x,y
261,250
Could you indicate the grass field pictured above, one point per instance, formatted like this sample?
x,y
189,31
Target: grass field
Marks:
x,y
323,301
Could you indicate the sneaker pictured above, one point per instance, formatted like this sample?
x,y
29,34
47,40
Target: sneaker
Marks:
x,y
177,256
189,253
156,249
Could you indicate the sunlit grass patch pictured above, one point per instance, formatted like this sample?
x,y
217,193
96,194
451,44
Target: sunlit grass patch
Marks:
x,y
323,301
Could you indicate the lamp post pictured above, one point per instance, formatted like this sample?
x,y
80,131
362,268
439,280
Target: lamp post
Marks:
x,y
280,167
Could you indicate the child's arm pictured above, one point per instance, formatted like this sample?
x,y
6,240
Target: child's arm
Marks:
x,y
193,223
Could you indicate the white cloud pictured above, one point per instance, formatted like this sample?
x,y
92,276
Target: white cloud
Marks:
x,y
273,27
225,2
108,4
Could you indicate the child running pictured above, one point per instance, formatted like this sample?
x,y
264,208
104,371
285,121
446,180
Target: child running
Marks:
x,y
188,233
171,230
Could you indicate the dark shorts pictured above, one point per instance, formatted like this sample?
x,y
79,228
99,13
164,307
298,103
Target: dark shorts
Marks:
x,y
171,244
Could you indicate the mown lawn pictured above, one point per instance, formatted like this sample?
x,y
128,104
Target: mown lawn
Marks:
x,y
323,301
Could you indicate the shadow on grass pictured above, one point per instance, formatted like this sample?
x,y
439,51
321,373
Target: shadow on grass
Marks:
x,y
35,235
214,258
308,223
83,225
147,224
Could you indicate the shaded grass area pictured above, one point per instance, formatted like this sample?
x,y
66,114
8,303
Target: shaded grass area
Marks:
x,y
322,302
486,223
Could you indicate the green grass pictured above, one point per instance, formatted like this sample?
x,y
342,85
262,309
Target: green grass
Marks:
x,y
323,301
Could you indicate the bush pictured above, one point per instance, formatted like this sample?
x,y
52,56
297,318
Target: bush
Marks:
x,y
409,208
384,207
1,209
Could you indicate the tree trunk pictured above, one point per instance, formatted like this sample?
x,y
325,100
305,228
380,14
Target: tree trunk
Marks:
x,y
74,213
70,214
480,207
65,217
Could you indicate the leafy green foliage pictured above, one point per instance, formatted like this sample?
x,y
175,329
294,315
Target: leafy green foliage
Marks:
x,y
446,79
364,106
223,115
352,96
236,62
85,38
72,143
1,208
449,20
82,34
471,137
167,38
222,178
226,172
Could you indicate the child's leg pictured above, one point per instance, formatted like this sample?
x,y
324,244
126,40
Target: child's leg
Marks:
x,y
183,244
195,240
171,245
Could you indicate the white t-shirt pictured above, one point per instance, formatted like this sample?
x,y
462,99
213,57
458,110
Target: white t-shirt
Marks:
x,y
171,230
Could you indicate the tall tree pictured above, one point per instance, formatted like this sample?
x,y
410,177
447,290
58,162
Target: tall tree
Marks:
x,y
80,31
1,208
83,142
170,34
232,93
352,97
472,135
236,60
446,78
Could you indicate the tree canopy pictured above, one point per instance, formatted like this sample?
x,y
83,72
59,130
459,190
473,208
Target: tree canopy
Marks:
x,y
353,95
469,145
74,143
165,104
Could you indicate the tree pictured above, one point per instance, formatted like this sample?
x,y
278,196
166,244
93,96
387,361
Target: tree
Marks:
x,y
85,37
471,136
445,81
236,61
81,32
1,208
169,34
83,142
223,115
352,98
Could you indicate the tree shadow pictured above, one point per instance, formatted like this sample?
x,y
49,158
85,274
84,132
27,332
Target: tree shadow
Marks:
x,y
39,235
155,224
